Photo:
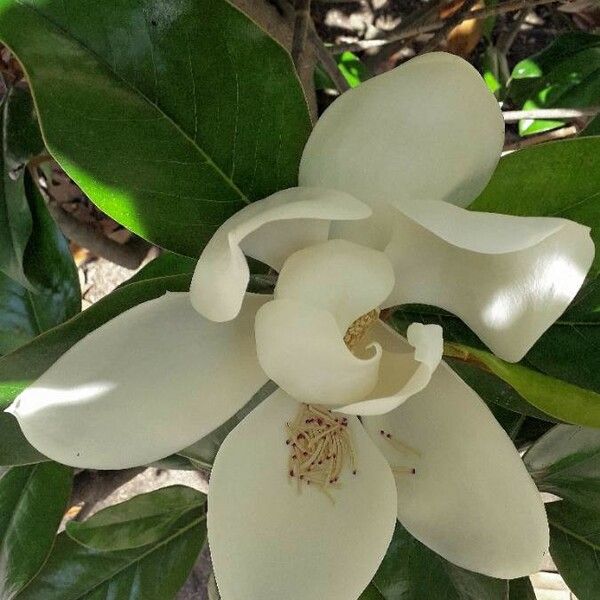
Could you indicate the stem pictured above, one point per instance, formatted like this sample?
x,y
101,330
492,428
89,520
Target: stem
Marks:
x,y
511,116
301,24
449,24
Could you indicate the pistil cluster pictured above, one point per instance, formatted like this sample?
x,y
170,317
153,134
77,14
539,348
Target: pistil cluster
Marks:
x,y
320,448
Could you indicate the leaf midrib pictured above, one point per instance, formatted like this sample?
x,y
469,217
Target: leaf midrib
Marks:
x,y
141,557
138,92
572,534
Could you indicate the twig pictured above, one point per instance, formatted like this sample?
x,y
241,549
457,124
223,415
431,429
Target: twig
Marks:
x,y
327,61
449,24
511,116
301,24
129,255
507,38
481,13
557,134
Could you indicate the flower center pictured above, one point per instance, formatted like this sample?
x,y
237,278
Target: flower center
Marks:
x,y
358,328
320,448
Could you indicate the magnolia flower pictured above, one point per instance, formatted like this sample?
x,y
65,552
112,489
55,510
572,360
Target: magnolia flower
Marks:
x,y
304,495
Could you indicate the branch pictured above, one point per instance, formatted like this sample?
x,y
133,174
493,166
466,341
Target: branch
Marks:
x,y
327,61
301,24
557,134
511,116
405,34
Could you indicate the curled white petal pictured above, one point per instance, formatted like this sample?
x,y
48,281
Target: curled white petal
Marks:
x,y
268,541
471,499
147,383
301,348
344,278
269,230
509,278
402,374
405,136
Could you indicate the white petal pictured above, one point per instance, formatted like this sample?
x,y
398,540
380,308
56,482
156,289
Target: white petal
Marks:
x,y
147,383
344,278
471,499
407,136
301,348
509,278
401,374
268,541
268,230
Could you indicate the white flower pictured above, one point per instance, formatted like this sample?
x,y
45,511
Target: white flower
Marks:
x,y
376,223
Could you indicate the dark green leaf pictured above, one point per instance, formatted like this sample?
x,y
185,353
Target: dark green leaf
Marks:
x,y
410,571
575,546
33,500
155,571
371,593
175,133
19,141
559,399
566,74
164,265
49,267
14,448
24,365
566,462
143,520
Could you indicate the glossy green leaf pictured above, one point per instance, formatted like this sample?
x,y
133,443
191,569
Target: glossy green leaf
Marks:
x,y
566,74
566,462
495,71
350,66
575,546
49,267
14,448
19,141
410,571
371,593
559,399
154,571
158,117
24,365
33,500
143,520
165,265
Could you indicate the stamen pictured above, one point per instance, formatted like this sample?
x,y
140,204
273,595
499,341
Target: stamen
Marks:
x,y
320,447
397,444
359,328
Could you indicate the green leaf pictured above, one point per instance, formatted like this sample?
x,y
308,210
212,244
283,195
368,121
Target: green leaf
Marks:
x,y
495,71
411,571
575,546
14,448
559,399
19,141
566,74
166,264
350,66
49,266
154,571
175,133
33,500
566,462
143,520
371,593
27,363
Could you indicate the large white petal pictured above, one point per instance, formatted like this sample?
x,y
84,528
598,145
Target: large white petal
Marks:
x,y
471,498
344,278
407,135
509,278
268,541
401,374
268,230
301,348
149,382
